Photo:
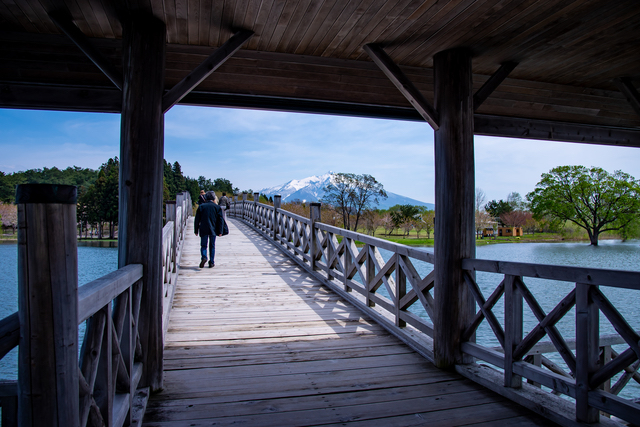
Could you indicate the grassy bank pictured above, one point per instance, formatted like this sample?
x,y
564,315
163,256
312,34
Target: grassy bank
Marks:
x,y
413,239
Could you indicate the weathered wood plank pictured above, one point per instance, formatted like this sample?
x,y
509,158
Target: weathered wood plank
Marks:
x,y
257,339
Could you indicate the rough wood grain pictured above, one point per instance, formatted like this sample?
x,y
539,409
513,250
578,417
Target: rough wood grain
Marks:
x,y
258,340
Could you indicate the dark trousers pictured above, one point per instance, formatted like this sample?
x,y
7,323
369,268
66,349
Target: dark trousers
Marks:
x,y
212,246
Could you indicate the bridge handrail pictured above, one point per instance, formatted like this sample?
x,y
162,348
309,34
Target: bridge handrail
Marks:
x,y
327,252
110,305
595,363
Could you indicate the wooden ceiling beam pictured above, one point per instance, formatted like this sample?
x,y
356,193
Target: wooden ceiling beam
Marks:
x,y
402,82
63,22
202,71
546,130
60,98
492,84
630,92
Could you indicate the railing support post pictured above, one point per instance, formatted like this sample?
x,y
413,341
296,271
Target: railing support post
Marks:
x,y
171,216
235,206
587,351
401,290
48,387
347,264
277,202
370,269
513,329
256,197
314,215
455,193
244,202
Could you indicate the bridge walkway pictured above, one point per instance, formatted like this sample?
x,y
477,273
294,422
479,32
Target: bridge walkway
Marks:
x,y
256,341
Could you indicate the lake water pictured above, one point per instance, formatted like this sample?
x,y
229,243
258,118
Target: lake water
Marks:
x,y
95,262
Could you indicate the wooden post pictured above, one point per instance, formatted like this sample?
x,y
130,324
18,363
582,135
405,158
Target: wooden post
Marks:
x,y
171,216
513,329
48,387
314,215
587,351
277,201
141,171
235,206
401,290
455,187
256,197
347,264
244,202
370,272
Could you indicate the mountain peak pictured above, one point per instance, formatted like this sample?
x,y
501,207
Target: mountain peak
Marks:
x,y
311,189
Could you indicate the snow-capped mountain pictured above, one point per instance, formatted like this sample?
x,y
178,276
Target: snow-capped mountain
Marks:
x,y
311,189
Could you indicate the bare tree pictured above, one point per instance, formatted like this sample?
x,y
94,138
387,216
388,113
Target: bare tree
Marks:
x,y
515,218
428,221
481,197
387,223
352,194
483,220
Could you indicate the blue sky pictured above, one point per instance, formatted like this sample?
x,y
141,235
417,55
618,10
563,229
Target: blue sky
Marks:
x,y
258,149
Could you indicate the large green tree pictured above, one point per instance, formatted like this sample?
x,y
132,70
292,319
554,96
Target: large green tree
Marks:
x,y
593,199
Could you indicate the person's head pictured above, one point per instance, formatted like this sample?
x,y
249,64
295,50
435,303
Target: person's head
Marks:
x,y
224,194
202,192
210,195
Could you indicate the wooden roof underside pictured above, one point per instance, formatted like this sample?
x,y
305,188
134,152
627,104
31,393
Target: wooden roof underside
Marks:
x,y
307,55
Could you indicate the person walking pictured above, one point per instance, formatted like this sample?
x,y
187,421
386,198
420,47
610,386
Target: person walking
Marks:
x,y
208,223
224,204
201,199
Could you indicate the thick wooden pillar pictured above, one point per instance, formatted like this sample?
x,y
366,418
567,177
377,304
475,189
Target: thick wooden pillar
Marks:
x,y
141,169
48,305
455,186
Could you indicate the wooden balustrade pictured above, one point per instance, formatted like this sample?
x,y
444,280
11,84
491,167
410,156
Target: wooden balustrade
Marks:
x,y
594,363
351,264
106,375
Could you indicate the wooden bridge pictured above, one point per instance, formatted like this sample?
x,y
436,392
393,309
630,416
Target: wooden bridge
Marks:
x,y
258,341
549,70
299,323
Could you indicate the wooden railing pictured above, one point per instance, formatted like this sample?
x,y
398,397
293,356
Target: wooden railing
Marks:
x,y
352,264
108,371
592,365
178,212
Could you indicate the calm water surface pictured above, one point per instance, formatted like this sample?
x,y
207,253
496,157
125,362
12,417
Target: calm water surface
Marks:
x,y
96,262
92,263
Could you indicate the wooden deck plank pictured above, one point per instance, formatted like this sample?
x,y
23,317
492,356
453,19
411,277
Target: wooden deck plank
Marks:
x,y
257,341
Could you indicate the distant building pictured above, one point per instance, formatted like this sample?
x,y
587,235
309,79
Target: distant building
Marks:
x,y
488,232
510,231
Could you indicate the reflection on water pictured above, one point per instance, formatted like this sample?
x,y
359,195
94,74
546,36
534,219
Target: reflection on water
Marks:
x,y
93,262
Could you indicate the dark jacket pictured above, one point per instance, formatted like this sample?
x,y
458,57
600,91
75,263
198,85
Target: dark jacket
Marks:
x,y
208,219
201,199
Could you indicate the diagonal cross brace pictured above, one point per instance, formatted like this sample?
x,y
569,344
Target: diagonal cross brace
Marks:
x,y
203,70
65,25
494,81
630,92
402,82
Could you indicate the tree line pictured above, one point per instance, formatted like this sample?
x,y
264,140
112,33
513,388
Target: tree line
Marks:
x,y
98,191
